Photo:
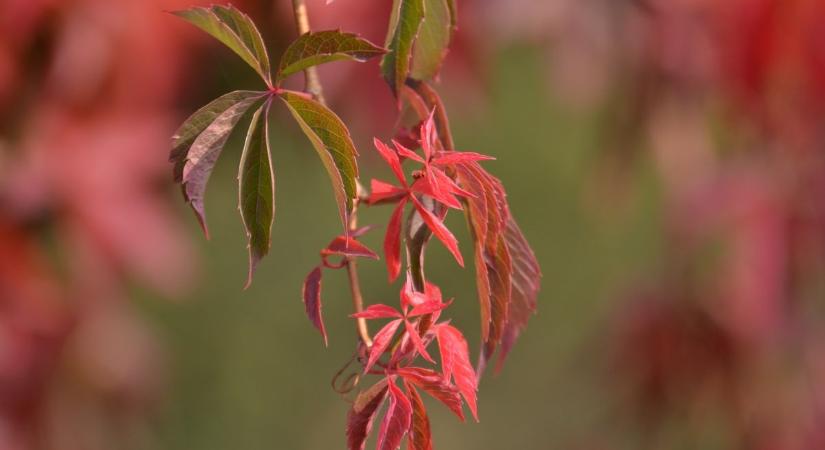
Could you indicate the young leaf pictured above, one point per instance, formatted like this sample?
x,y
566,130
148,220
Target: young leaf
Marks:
x,y
437,386
311,295
348,246
415,338
331,140
235,30
312,49
420,437
392,242
377,311
257,189
396,421
440,231
362,414
433,40
455,361
197,163
404,26
381,341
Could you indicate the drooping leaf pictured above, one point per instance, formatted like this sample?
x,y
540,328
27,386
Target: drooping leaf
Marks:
x,y
396,421
526,282
198,161
499,270
382,192
455,361
440,231
391,158
314,48
362,414
420,437
405,23
381,341
437,386
198,122
311,295
433,40
235,30
331,140
256,182
377,311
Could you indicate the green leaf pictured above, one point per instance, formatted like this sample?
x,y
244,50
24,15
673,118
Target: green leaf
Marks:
x,y
433,40
404,26
257,189
235,30
312,49
200,141
332,141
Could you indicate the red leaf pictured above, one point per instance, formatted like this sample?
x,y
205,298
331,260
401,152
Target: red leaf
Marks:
x,y
425,186
382,192
377,312
525,287
391,159
455,360
347,246
362,414
381,341
396,421
417,343
312,301
407,153
420,437
440,231
392,241
409,296
428,307
451,158
429,137
437,386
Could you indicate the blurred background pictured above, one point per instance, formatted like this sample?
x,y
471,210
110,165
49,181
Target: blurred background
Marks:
x,y
665,158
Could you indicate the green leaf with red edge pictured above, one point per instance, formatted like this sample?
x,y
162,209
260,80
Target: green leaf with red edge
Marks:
x,y
420,436
405,23
311,295
331,140
433,40
396,420
256,196
314,48
437,386
199,141
362,414
235,30
455,362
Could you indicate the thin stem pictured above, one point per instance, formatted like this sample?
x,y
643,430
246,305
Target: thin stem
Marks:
x,y
313,83
313,86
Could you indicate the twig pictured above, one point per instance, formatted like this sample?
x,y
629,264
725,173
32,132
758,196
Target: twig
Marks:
x,y
313,83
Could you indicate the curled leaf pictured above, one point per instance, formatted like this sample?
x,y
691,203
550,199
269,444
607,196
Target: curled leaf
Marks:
x,y
200,140
314,48
404,26
348,246
311,295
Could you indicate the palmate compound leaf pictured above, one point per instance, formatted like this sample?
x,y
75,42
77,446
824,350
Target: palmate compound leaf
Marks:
x,y
256,182
235,30
433,40
405,23
314,48
331,140
198,143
